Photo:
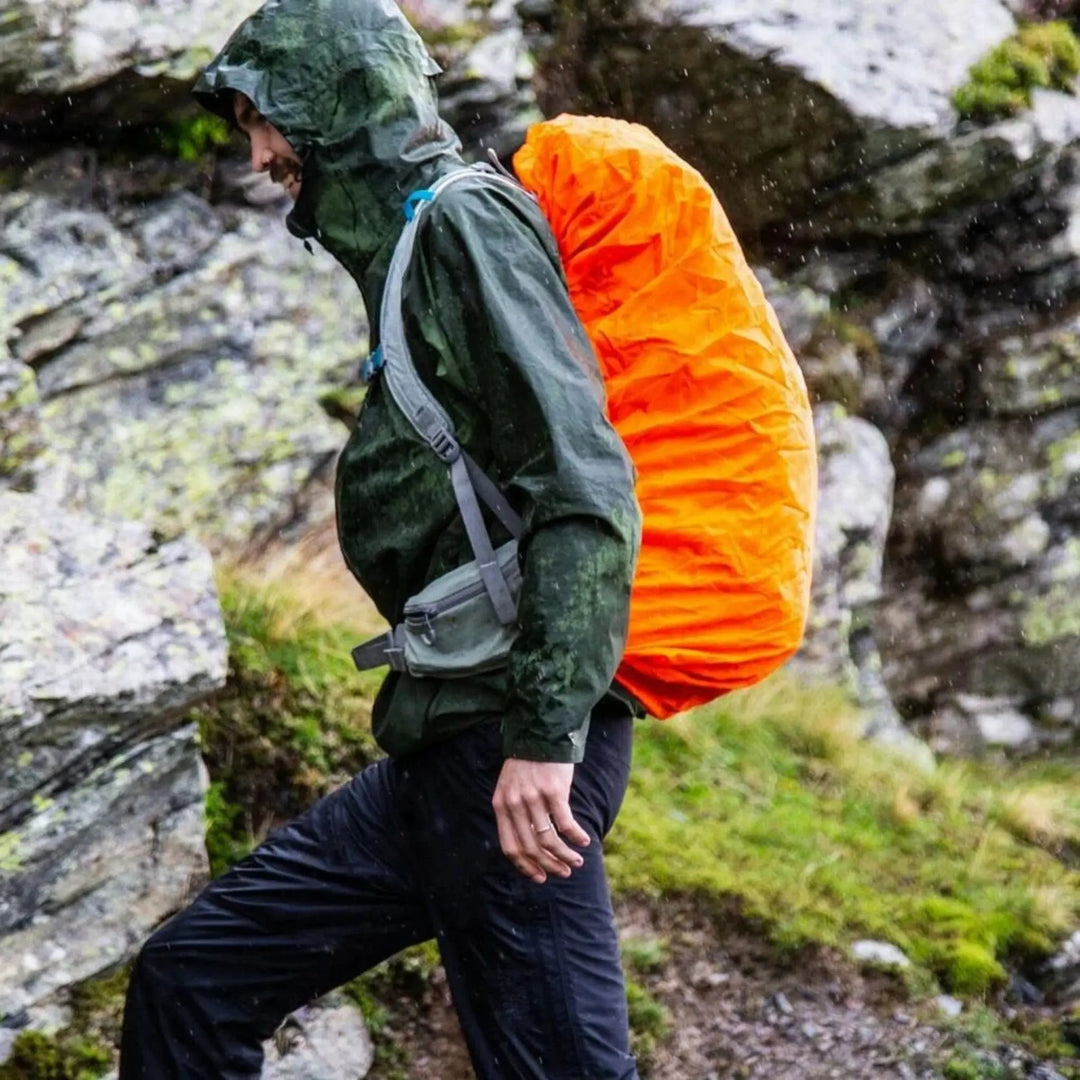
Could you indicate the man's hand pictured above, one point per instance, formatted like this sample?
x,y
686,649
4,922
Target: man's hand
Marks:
x,y
532,809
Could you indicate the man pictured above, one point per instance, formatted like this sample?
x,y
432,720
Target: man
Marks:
x,y
483,826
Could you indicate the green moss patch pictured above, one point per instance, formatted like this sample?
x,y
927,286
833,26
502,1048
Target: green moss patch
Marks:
x,y
85,1050
1045,55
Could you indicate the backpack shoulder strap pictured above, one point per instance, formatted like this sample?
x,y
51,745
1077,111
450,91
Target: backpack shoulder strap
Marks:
x,y
429,419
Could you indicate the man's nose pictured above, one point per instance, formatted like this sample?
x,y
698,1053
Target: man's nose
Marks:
x,y
260,153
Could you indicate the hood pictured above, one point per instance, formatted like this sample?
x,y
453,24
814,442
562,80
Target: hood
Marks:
x,y
350,84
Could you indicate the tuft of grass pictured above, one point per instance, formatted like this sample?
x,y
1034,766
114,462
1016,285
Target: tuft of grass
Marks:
x,y
643,955
191,138
292,722
770,799
1045,55
650,1022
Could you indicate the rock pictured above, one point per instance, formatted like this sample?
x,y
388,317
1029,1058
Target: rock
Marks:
x,y
109,639
54,47
879,954
486,90
854,506
949,1006
1027,374
324,1041
1060,975
980,626
799,308
181,356
789,104
92,870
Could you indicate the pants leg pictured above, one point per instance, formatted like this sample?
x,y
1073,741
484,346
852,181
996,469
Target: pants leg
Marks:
x,y
534,969
323,899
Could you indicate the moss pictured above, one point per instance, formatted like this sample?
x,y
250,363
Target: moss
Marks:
x,y
36,1056
650,1021
228,838
1045,55
643,956
10,851
1052,617
82,1051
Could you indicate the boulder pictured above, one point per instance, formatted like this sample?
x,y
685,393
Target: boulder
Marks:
x,y
854,506
784,103
486,91
181,355
327,1040
50,48
109,637
980,626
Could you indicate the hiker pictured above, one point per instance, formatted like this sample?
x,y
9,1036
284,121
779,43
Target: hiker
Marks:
x,y
483,827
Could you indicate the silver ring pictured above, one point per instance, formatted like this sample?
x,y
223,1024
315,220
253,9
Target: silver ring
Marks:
x,y
547,828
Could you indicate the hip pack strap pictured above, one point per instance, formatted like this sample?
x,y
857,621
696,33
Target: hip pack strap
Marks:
x,y
388,648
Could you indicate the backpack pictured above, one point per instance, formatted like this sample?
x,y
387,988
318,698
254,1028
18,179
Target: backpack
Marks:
x,y
706,396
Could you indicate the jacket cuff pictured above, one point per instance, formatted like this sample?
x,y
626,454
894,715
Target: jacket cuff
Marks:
x,y
567,748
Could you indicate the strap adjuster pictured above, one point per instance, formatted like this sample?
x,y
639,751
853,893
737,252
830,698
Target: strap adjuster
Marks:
x,y
413,201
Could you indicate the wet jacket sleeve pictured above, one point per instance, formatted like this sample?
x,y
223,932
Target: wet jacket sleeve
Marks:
x,y
520,348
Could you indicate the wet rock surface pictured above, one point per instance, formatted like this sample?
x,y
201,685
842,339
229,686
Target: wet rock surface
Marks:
x,y
854,508
180,355
324,1041
108,638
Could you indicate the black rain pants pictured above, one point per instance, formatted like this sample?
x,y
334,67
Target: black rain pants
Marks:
x,y
405,852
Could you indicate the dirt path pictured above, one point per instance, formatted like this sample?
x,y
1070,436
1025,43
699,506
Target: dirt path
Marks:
x,y
740,1012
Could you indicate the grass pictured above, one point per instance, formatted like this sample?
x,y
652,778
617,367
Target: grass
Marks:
x,y
767,801
292,722
771,800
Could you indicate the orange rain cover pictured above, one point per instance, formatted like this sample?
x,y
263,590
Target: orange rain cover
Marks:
x,y
707,397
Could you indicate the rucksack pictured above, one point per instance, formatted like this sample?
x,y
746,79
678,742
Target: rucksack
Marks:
x,y
706,396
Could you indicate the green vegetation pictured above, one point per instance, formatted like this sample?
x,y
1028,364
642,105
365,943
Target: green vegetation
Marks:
x,y
292,723
82,1051
769,799
650,1021
386,996
1043,55
191,138
43,1057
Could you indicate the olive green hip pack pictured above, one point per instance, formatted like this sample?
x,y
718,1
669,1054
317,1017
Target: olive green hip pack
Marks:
x,y
450,629
464,622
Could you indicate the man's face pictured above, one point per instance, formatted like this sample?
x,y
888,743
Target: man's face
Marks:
x,y
269,148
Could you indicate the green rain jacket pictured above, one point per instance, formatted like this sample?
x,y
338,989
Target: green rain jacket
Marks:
x,y
493,335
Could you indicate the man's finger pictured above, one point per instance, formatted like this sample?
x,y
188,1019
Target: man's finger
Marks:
x,y
567,826
549,839
523,824
511,846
